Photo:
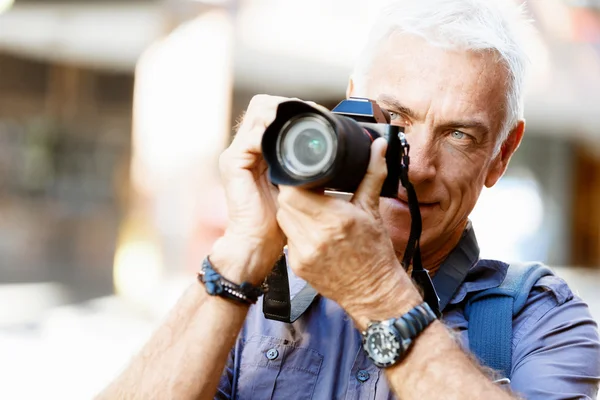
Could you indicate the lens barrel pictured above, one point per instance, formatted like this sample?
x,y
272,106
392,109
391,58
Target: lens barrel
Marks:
x,y
307,147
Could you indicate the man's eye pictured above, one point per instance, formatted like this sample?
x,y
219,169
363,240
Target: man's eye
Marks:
x,y
458,135
398,119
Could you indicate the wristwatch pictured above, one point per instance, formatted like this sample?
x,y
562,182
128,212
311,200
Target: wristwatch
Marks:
x,y
387,342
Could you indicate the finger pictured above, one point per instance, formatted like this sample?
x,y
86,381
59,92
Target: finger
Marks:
x,y
288,224
310,203
299,231
246,148
369,190
318,106
292,226
261,112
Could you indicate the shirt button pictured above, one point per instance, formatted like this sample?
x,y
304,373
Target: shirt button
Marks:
x,y
362,375
272,354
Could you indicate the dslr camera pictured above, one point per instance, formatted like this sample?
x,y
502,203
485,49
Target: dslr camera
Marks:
x,y
310,148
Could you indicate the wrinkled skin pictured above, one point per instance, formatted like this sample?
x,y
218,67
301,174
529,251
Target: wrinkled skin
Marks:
x,y
452,122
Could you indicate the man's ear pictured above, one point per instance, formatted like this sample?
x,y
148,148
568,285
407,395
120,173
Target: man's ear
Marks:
x,y
508,148
350,88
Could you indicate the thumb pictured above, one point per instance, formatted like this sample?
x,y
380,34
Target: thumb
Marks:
x,y
367,194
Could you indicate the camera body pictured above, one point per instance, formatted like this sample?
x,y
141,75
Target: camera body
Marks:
x,y
310,148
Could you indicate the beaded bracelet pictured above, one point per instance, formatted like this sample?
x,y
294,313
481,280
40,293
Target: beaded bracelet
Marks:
x,y
217,285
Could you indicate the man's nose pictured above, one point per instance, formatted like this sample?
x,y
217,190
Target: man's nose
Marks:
x,y
423,165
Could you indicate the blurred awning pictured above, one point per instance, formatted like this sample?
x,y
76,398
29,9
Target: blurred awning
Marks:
x,y
281,45
105,35
306,48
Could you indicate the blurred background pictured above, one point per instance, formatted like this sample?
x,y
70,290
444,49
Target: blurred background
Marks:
x,y
112,116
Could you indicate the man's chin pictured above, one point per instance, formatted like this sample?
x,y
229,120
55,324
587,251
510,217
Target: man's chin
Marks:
x,y
396,217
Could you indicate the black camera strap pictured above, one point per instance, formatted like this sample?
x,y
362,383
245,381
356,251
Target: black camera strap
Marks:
x,y
412,253
277,304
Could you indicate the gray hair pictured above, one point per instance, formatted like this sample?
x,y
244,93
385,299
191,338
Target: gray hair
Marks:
x,y
497,26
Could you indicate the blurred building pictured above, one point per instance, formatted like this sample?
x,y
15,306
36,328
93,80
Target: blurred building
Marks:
x,y
65,145
80,166
113,113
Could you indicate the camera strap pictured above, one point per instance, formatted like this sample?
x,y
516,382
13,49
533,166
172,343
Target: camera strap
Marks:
x,y
277,304
412,253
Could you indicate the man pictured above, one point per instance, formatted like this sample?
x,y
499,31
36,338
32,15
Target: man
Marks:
x,y
451,72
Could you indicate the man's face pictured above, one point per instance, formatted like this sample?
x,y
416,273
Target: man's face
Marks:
x,y
451,104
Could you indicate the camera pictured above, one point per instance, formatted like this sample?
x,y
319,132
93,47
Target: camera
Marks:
x,y
310,148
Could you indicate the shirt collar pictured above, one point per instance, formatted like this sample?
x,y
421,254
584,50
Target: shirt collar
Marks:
x,y
486,274
462,272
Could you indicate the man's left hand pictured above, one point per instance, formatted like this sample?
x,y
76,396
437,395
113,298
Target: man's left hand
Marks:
x,y
343,249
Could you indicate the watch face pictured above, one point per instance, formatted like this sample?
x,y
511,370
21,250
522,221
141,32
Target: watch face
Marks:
x,y
382,344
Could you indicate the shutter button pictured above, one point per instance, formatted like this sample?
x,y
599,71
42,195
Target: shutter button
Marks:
x,y
272,354
362,376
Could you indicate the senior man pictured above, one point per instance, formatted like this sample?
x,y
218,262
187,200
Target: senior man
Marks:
x,y
451,73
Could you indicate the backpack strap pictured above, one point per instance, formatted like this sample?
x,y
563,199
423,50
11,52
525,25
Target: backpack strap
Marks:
x,y
490,315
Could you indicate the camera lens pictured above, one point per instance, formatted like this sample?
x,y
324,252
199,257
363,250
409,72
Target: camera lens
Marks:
x,y
307,146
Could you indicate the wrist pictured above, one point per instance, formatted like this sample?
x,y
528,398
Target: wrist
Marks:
x,y
241,260
386,297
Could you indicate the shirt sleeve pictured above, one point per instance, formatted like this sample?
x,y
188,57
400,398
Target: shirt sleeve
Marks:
x,y
556,348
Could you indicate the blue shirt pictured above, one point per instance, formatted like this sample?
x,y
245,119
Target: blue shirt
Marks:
x,y
555,347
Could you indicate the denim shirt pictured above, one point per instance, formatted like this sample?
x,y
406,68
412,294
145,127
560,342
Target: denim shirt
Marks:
x,y
555,347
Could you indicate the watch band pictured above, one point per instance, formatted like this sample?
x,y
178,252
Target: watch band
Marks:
x,y
411,324
387,342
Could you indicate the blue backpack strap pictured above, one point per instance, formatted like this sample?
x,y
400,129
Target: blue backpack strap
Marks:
x,y
490,315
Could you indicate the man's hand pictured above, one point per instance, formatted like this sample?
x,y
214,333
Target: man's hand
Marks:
x,y
186,356
343,250
253,239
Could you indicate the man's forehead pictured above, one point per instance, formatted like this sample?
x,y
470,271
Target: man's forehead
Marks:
x,y
414,71
403,51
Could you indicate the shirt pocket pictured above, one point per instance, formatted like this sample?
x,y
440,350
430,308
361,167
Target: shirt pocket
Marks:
x,y
273,368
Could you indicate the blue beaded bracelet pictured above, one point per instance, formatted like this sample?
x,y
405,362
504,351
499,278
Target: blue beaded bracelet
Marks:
x,y
216,285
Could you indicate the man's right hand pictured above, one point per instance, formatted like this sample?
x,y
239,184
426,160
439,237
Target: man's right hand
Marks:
x,y
253,240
